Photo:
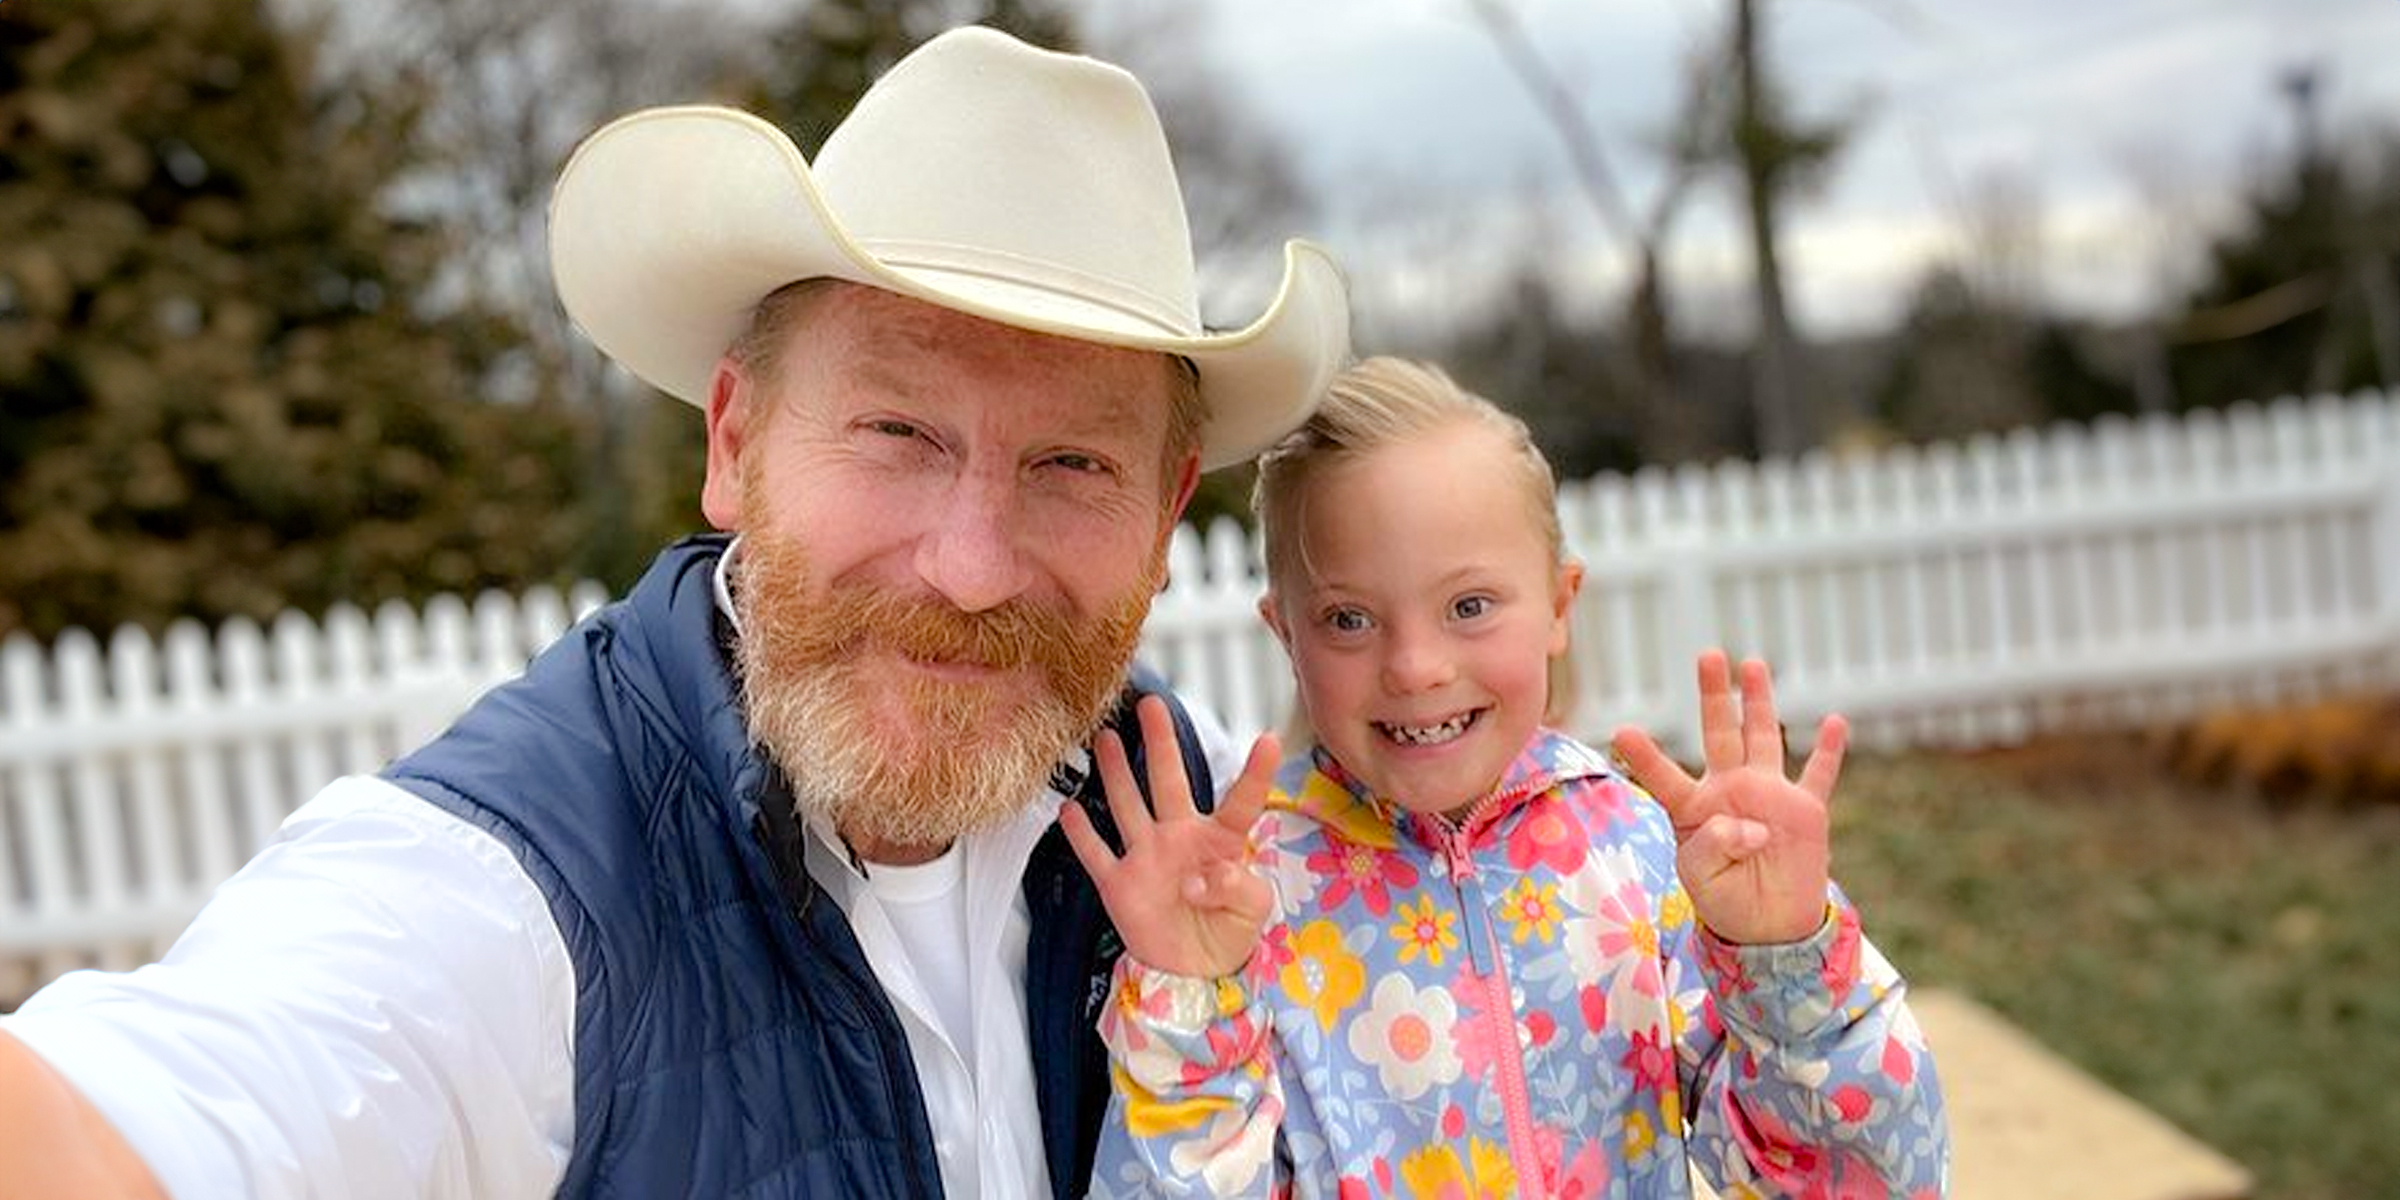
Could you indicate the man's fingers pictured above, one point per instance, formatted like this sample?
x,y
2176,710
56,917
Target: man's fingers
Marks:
x,y
1762,731
1097,859
1720,724
1170,789
1825,760
1124,797
1662,777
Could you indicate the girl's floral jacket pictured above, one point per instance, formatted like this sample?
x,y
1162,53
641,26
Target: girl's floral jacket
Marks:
x,y
1518,1006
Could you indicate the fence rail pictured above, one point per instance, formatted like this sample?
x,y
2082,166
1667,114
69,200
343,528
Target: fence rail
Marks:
x,y
1956,595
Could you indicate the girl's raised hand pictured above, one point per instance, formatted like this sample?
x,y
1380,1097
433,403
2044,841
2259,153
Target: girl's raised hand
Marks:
x,y
1751,845
1182,895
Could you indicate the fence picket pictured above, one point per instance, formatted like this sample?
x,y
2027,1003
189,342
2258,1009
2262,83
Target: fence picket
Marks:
x,y
217,845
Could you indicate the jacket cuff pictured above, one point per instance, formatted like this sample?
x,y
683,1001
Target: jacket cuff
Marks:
x,y
1786,991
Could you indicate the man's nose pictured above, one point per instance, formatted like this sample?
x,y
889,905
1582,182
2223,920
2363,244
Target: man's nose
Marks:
x,y
1416,661
971,553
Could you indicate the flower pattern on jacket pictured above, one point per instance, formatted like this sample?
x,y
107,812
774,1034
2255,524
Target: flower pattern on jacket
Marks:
x,y
1522,1005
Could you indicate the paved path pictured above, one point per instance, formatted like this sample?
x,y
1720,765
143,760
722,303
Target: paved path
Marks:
x,y
2028,1125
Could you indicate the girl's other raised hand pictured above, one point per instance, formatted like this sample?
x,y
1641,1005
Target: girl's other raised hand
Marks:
x,y
1752,845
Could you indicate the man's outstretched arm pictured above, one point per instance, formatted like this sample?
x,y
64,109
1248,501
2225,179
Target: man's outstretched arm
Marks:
x,y
57,1146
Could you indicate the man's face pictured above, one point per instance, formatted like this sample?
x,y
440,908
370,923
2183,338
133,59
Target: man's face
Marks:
x,y
951,533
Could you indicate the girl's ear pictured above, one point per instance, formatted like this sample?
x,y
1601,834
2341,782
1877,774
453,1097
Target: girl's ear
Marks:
x,y
1565,583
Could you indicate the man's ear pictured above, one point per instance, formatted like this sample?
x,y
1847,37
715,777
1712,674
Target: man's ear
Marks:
x,y
1187,481
730,398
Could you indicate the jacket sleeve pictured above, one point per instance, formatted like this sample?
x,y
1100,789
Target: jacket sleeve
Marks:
x,y
1803,1071
1195,1104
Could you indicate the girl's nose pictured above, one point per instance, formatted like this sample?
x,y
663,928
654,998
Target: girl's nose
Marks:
x,y
1416,662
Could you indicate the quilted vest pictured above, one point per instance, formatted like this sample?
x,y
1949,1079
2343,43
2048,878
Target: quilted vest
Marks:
x,y
730,1038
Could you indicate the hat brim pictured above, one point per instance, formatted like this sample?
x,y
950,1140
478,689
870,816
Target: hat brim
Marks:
x,y
668,226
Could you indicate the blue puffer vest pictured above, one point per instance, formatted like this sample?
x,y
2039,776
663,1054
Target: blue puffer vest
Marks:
x,y
730,1039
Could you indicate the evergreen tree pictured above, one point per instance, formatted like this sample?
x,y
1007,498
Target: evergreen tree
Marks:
x,y
220,390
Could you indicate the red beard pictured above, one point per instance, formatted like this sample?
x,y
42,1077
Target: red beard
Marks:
x,y
894,757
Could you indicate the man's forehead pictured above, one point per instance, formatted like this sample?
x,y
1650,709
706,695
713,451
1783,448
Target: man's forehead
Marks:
x,y
905,345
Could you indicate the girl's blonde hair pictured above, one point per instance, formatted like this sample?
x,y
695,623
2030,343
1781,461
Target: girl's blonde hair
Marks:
x,y
1373,404
1377,403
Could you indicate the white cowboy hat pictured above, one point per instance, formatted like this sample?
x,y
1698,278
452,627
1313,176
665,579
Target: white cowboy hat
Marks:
x,y
980,174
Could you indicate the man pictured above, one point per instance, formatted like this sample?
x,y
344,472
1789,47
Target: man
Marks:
x,y
749,885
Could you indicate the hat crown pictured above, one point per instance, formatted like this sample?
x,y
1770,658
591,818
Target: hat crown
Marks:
x,y
980,174
980,157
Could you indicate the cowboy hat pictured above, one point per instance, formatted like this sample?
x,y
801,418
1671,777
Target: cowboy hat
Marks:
x,y
980,174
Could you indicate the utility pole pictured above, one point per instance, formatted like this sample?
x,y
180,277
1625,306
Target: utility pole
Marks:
x,y
1759,147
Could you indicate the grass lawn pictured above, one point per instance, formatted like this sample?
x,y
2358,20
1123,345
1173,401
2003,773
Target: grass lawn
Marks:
x,y
2232,964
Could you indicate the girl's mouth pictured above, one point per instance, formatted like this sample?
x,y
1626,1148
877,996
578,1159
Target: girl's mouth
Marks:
x,y
1429,735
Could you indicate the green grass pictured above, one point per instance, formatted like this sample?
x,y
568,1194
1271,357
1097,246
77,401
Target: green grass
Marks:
x,y
2230,964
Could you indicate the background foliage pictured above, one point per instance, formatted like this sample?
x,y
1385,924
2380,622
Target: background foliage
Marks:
x,y
224,392
279,330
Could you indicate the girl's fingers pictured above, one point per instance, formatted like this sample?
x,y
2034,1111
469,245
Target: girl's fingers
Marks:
x,y
1659,775
1247,798
1124,797
1097,859
1721,843
1762,732
1720,725
1170,789
1825,761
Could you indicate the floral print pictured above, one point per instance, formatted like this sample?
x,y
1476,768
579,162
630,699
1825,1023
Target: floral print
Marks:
x,y
1519,1006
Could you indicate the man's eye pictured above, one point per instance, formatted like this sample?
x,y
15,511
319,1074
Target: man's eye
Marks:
x,y
1081,464
894,428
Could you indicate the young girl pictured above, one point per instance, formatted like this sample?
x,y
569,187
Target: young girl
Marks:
x,y
1490,966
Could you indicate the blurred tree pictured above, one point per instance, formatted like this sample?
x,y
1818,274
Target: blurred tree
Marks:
x,y
1974,353
508,88
1965,362
1652,412
2303,296
224,394
1535,358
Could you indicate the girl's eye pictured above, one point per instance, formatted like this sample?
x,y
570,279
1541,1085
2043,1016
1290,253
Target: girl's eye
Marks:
x,y
1467,608
1346,620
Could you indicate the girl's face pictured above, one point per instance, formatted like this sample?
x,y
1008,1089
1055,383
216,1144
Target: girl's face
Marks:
x,y
1427,611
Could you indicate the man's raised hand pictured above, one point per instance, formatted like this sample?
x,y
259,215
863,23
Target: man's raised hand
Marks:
x,y
1182,895
1751,845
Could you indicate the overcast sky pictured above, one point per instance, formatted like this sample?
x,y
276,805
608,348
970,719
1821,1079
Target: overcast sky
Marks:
x,y
2128,123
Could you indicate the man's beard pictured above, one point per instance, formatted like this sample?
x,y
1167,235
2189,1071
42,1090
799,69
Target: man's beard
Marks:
x,y
892,757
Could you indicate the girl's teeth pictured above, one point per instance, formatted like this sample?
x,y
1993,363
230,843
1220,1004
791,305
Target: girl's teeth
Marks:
x,y
1428,735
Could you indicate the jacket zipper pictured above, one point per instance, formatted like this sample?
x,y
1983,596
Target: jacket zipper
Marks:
x,y
1454,842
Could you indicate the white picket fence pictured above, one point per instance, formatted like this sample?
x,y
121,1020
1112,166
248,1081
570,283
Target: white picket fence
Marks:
x,y
1959,595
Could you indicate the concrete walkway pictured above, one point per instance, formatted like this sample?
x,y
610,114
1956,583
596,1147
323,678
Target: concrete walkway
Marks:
x,y
2028,1125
